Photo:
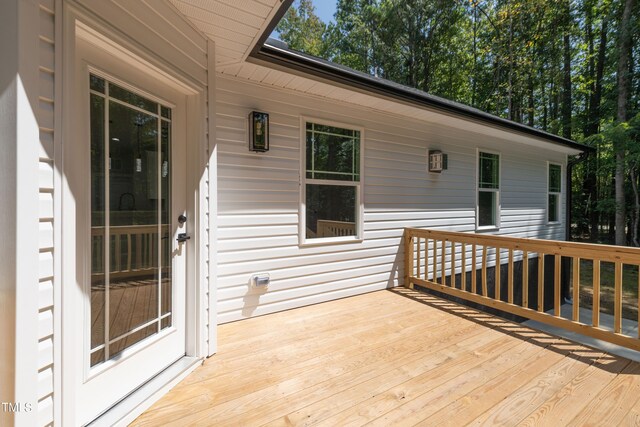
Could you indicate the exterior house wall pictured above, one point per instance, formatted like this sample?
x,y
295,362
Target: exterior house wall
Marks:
x,y
259,198
258,195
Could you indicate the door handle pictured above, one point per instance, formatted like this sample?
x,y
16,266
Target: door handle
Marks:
x,y
183,237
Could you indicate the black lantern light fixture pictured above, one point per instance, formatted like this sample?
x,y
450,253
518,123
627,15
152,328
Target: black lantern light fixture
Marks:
x,y
438,161
258,131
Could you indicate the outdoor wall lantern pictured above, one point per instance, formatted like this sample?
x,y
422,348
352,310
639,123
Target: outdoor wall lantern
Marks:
x,y
437,161
258,131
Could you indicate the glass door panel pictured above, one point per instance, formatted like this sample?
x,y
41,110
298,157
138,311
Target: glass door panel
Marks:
x,y
130,232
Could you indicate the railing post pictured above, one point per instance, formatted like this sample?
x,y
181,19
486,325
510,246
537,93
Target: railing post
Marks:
x,y
408,258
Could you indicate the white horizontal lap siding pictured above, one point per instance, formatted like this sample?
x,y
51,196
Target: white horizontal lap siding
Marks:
x,y
524,194
258,198
46,243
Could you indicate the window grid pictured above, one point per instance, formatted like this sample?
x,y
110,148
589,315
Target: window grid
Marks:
x,y
355,139
310,176
554,191
101,87
488,182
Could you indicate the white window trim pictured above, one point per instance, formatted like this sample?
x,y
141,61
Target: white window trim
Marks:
x,y
302,217
559,194
496,226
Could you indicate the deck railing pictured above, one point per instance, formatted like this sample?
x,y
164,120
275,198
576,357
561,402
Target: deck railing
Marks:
x,y
462,265
328,228
134,249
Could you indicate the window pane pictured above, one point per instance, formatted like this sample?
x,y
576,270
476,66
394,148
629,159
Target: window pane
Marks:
x,y
333,151
553,208
487,208
134,215
335,130
132,98
331,211
165,112
97,224
96,83
489,171
555,179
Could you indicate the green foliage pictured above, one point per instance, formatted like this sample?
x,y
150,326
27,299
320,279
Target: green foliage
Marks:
x,y
302,29
551,64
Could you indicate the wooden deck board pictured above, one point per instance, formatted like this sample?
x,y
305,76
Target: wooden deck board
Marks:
x,y
398,357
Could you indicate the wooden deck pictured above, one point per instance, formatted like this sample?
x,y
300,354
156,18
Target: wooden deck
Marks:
x,y
399,357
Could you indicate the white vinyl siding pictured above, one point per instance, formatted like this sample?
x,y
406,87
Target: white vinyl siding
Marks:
x,y
258,198
46,263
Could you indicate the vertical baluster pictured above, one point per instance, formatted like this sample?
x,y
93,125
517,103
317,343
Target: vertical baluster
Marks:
x,y
435,261
118,254
510,277
474,284
443,256
418,250
525,279
484,271
576,289
128,251
138,250
540,282
617,311
556,286
453,264
498,265
408,259
463,273
596,293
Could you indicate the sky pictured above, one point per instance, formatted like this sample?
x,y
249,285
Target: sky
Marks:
x,y
325,9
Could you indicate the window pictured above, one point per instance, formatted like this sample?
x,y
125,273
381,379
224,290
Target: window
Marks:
x,y
331,182
554,184
488,210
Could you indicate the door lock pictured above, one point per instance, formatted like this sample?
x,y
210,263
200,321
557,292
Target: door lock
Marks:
x,y
182,237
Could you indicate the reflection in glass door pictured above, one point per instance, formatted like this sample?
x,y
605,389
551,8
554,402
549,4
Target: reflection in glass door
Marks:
x,y
131,282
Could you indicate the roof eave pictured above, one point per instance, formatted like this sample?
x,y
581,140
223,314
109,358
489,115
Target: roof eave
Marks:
x,y
345,76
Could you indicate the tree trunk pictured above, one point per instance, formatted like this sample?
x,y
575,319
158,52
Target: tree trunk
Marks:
x,y
593,127
636,207
624,89
510,87
596,97
474,74
590,68
566,84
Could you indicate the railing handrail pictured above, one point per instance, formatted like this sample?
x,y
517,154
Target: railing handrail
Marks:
x,y
127,229
480,252
607,253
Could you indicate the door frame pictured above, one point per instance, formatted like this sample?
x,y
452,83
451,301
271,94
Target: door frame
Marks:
x,y
77,21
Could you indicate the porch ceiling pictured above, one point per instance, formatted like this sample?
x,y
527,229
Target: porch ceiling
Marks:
x,y
393,359
235,25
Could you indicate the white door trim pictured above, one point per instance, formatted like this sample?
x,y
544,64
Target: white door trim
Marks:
x,y
77,19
